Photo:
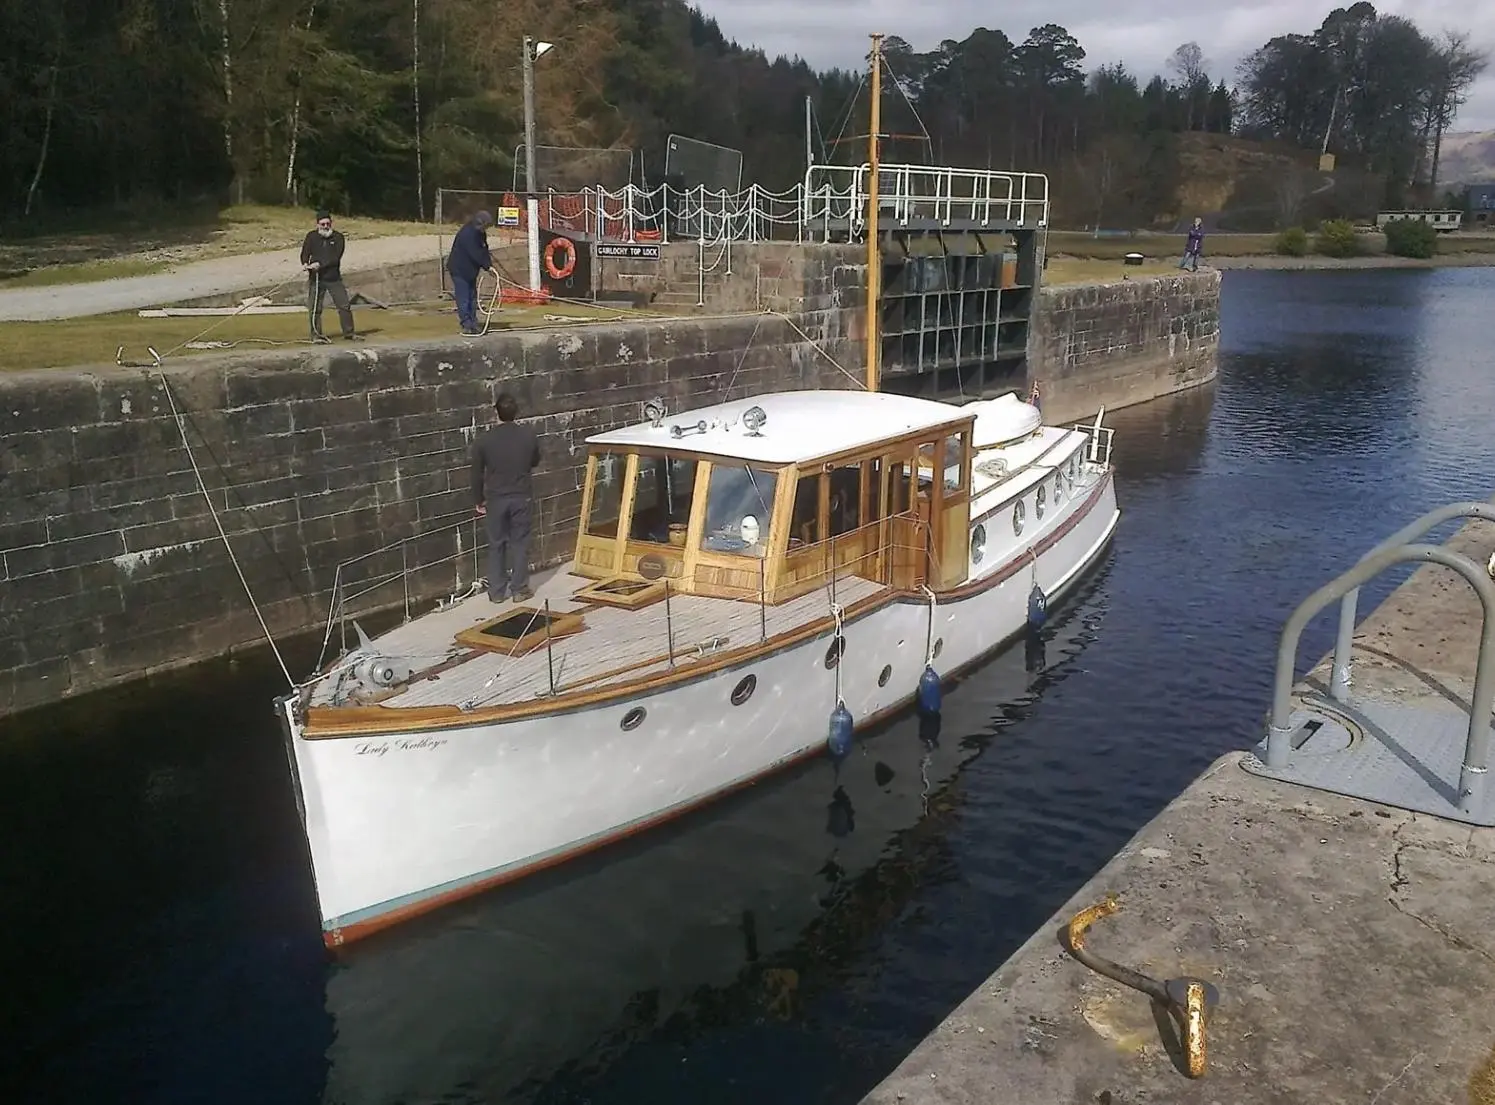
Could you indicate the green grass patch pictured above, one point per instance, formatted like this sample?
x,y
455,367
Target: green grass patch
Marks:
x,y
72,343
82,272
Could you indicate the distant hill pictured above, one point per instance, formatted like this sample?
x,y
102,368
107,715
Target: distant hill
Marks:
x,y
1468,157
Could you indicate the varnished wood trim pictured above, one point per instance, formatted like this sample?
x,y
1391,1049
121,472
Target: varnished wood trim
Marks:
x,y
333,722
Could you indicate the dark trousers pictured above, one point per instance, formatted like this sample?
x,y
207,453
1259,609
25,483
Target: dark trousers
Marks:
x,y
465,292
508,520
316,291
1190,261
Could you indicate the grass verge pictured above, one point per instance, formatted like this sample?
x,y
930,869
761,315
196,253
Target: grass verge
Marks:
x,y
93,341
1093,270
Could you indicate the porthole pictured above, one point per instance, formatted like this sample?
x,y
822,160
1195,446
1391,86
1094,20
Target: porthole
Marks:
x,y
633,719
939,647
1017,517
978,543
1039,499
884,675
744,689
834,653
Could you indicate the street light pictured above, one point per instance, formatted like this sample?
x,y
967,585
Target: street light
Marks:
x,y
532,50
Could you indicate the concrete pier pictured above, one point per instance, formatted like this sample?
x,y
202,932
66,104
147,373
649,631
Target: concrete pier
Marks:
x,y
1352,945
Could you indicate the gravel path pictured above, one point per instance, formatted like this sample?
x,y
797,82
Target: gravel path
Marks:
x,y
196,279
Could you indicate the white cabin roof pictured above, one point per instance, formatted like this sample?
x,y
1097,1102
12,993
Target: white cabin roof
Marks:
x,y
800,425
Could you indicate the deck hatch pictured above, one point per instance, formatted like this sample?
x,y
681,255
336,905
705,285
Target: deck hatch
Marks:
x,y
520,630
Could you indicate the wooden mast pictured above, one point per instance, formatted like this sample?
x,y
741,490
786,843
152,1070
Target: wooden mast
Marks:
x,y
874,261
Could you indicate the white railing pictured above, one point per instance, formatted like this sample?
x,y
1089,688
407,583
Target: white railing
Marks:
x,y
830,201
1098,452
938,194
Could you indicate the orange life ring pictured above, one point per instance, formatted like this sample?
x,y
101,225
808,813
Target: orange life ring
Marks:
x,y
560,272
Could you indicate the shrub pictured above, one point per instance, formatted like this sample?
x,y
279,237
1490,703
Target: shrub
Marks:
x,y
1337,238
1411,238
1293,242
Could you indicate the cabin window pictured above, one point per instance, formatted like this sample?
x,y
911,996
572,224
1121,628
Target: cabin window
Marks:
x,y
607,494
739,510
955,463
846,499
662,497
804,520
872,471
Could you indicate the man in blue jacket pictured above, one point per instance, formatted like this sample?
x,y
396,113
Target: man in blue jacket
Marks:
x,y
1194,246
469,257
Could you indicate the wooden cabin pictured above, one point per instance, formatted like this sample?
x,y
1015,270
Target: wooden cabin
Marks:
x,y
771,497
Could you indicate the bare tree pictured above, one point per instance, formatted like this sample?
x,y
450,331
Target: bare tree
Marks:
x,y
1291,190
420,170
1458,65
228,98
311,14
41,157
1189,63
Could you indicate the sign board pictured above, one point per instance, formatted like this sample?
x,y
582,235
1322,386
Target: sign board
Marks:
x,y
508,216
633,250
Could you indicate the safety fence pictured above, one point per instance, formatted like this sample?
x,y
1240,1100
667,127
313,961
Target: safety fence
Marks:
x,y
830,204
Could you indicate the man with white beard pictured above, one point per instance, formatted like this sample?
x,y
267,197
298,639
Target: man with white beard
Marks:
x,y
322,258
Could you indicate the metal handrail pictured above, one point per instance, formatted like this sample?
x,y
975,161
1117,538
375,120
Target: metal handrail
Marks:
x,y
1477,743
1344,642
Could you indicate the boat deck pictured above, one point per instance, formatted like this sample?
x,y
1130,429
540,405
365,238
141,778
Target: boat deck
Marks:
x,y
615,645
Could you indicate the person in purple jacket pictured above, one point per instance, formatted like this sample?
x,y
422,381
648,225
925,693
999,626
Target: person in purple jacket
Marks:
x,y
1194,247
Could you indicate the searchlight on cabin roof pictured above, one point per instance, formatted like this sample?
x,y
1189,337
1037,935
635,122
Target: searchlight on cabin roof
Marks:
x,y
754,419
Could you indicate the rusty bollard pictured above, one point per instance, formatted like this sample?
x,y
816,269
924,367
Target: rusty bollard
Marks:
x,y
1188,1000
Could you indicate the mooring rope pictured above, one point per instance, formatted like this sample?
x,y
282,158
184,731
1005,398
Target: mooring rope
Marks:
x,y
207,498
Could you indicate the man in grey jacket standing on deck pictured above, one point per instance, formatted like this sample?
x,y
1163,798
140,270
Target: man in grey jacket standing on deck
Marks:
x,y
502,459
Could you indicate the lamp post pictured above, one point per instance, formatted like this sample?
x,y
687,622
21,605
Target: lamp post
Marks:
x,y
532,50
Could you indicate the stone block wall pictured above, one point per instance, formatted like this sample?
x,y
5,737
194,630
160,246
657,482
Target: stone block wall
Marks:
x,y
111,565
1121,343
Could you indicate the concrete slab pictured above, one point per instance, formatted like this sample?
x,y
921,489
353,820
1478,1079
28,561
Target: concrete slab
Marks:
x,y
1351,943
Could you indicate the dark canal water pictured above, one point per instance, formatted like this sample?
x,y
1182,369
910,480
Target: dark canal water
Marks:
x,y
160,941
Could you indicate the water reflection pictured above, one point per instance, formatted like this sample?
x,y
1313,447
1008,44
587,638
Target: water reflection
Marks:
x,y
734,913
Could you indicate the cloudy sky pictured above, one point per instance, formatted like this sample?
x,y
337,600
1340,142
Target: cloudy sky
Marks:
x,y
833,32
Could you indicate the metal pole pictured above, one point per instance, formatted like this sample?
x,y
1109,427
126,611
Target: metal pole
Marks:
x,y
1339,677
874,263
532,200
405,576
762,600
809,148
669,625
549,654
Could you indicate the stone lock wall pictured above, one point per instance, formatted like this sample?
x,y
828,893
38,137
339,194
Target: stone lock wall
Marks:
x,y
1112,345
110,561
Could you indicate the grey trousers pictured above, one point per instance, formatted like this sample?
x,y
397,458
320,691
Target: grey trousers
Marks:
x,y
508,521
316,293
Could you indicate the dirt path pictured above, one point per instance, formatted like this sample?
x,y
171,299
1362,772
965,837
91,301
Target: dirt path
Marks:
x,y
196,279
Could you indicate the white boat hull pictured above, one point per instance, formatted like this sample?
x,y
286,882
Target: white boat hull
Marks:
x,y
399,824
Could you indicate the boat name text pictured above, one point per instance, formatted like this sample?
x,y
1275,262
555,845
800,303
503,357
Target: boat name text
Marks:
x,y
403,744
